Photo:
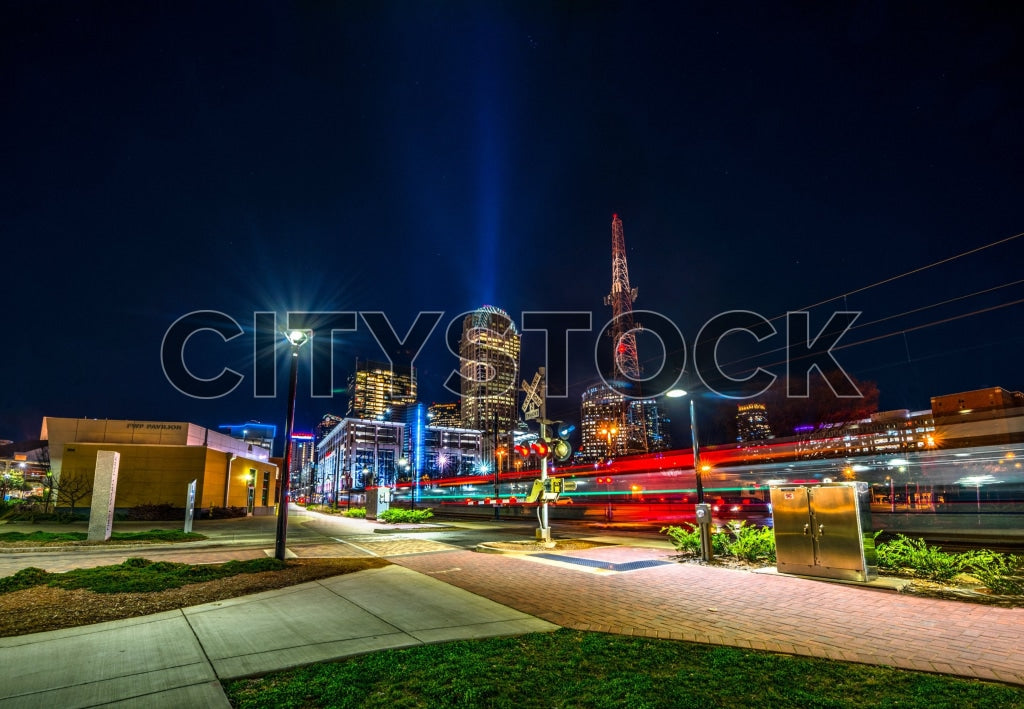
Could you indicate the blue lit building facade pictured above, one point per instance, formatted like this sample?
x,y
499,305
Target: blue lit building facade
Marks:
x,y
361,453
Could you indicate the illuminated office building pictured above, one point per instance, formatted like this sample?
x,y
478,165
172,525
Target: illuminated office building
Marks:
x,y
361,453
303,457
253,433
601,424
752,423
489,365
375,387
447,414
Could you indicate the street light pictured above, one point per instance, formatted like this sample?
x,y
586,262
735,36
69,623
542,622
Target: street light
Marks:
x,y
500,453
404,465
296,338
608,433
702,510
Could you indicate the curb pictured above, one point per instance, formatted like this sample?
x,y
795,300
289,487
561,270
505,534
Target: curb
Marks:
x,y
416,528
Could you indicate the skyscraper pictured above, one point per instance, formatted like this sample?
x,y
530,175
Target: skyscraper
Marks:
x,y
445,414
752,423
489,365
326,425
375,387
303,455
655,424
601,427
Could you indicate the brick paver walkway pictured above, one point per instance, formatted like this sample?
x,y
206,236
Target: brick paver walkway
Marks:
x,y
738,608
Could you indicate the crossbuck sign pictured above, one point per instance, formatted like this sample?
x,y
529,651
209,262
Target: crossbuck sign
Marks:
x,y
531,404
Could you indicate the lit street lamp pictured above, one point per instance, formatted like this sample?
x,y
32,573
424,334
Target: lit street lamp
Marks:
x,y
296,338
608,433
703,511
500,453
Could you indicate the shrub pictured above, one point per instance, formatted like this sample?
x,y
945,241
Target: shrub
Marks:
x,y
904,553
356,512
26,578
687,541
684,540
1001,573
395,515
750,543
227,512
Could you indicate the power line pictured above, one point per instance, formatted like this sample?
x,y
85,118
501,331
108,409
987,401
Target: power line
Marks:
x,y
911,272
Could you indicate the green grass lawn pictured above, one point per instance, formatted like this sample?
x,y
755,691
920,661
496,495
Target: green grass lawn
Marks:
x,y
59,538
135,575
582,669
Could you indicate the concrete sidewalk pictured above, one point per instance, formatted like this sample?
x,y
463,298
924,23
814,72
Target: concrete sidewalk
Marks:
x,y
177,659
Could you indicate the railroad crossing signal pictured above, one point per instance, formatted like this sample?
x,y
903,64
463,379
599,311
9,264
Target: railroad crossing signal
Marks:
x,y
559,449
538,488
534,393
555,449
549,489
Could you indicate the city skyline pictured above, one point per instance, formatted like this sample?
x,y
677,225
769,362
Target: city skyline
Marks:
x,y
344,159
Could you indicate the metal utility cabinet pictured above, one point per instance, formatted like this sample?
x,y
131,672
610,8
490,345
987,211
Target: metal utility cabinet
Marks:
x,y
377,502
824,530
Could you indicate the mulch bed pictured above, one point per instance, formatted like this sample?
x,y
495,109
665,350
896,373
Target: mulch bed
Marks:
x,y
42,608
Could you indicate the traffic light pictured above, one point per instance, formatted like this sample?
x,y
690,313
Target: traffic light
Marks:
x,y
604,481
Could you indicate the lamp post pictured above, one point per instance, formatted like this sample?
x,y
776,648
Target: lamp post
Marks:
x,y
500,454
703,510
404,464
297,338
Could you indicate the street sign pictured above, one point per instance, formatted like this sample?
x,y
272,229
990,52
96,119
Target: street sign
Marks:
x,y
531,414
568,485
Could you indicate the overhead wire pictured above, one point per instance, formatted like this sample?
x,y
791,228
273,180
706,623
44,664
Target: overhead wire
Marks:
x,y
891,279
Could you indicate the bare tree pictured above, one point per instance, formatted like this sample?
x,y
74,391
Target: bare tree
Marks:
x,y
72,487
43,463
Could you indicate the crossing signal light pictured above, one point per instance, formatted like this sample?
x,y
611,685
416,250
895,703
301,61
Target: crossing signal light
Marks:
x,y
522,450
540,448
560,449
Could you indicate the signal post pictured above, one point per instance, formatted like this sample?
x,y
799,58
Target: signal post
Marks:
x,y
535,407
545,489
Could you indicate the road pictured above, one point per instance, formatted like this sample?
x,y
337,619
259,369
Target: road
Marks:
x,y
313,535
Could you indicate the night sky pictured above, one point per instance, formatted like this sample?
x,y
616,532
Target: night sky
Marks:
x,y
161,158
